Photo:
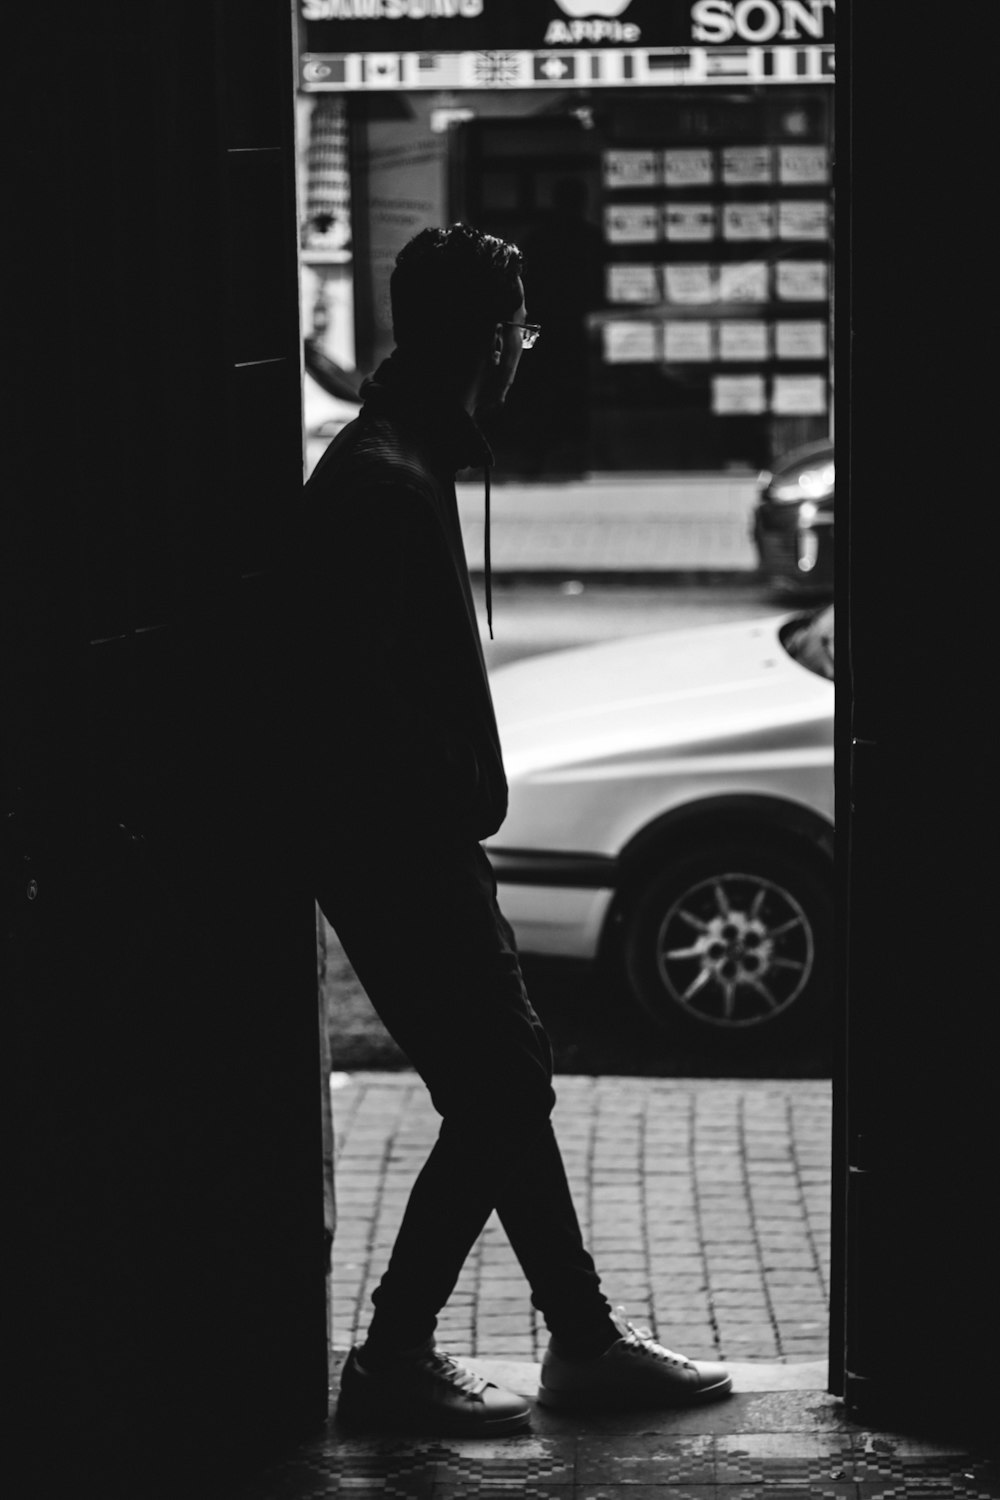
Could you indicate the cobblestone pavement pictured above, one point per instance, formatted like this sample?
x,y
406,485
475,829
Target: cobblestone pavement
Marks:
x,y
704,1202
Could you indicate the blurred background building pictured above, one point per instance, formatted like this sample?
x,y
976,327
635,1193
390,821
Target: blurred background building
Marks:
x,y
667,167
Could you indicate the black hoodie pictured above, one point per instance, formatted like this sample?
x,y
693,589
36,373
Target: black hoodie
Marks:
x,y
405,739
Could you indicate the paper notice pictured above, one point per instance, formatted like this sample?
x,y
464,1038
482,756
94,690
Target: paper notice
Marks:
x,y
743,281
801,280
803,164
631,223
803,220
743,164
690,221
632,284
800,340
689,284
688,167
798,395
630,169
748,221
687,341
746,339
738,395
631,343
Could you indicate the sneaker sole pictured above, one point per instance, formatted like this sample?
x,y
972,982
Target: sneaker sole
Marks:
x,y
436,1426
623,1401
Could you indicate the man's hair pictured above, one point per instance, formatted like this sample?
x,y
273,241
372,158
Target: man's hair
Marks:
x,y
449,287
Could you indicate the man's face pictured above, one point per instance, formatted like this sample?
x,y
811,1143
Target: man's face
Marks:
x,y
508,346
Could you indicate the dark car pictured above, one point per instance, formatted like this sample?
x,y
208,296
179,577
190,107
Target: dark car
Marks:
x,y
792,523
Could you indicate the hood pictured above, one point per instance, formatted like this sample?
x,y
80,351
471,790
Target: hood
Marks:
x,y
414,399
408,393
678,694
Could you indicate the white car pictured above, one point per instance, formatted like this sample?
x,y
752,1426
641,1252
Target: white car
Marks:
x,y
671,811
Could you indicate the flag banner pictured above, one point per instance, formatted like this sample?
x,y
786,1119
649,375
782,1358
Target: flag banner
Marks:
x,y
605,67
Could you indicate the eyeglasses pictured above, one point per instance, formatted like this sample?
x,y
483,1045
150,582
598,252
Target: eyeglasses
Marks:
x,y
529,332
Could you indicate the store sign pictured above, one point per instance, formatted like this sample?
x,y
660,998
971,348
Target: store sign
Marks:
x,y
345,26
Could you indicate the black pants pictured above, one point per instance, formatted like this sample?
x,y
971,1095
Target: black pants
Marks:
x,y
438,960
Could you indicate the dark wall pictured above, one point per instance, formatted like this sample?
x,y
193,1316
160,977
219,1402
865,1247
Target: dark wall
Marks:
x,y
166,1218
918,1128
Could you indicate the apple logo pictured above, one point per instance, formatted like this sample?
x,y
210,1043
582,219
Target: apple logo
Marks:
x,y
580,8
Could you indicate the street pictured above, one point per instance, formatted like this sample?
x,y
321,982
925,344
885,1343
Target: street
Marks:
x,y
594,1024
530,617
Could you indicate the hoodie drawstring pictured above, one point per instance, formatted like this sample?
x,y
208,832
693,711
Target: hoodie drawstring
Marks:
x,y
486,550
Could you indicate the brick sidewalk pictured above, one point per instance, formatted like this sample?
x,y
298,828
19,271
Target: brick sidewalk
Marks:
x,y
705,1203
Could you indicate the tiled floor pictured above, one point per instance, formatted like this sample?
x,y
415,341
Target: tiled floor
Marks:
x,y
761,1445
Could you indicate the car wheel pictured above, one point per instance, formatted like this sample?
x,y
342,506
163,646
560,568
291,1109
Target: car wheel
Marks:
x,y
732,943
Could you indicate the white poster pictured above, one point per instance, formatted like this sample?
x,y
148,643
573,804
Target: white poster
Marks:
x,y
803,219
632,284
748,221
688,166
746,339
798,395
806,164
743,281
738,395
690,221
630,169
687,341
801,281
688,284
631,343
631,223
743,164
800,340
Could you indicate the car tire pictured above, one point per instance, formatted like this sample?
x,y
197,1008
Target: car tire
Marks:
x,y
732,943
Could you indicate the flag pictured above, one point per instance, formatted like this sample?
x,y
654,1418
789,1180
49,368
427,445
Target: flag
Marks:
x,y
662,62
381,69
499,70
322,70
729,62
552,67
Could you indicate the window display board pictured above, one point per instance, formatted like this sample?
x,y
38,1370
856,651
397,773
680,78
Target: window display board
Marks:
x,y
723,246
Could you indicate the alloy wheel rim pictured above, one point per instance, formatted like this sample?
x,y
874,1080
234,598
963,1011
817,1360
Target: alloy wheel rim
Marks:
x,y
735,951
